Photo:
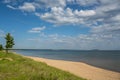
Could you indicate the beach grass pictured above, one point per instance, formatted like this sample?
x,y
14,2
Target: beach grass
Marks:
x,y
17,67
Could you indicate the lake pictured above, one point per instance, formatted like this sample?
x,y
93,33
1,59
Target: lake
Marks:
x,y
100,58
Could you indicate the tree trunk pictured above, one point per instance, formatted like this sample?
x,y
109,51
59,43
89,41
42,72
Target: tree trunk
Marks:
x,y
6,50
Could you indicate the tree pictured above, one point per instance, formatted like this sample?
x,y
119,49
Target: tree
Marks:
x,y
1,47
9,42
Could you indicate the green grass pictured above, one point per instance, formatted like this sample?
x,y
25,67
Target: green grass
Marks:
x,y
16,67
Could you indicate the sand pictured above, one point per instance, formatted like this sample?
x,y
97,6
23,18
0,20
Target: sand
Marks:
x,y
81,69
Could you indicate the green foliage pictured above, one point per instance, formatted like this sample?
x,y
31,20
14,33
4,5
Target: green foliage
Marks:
x,y
9,41
16,67
1,47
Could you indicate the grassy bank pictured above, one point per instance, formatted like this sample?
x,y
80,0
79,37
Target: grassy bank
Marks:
x,y
16,67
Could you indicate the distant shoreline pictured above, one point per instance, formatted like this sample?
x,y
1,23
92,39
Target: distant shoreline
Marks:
x,y
81,69
66,49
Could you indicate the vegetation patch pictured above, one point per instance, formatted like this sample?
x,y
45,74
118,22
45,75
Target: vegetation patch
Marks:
x,y
16,67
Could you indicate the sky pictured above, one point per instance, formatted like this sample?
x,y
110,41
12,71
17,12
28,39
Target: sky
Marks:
x,y
61,24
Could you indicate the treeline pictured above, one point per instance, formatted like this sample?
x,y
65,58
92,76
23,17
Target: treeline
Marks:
x,y
9,42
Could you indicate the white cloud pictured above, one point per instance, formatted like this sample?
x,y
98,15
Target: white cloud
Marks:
x,y
11,7
102,13
29,7
84,13
37,29
6,1
12,2
116,18
60,16
86,2
104,28
35,39
83,2
82,41
49,3
37,14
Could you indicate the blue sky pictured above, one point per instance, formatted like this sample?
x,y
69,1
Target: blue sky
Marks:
x,y
61,24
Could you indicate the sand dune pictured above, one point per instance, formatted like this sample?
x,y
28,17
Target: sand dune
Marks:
x,y
81,69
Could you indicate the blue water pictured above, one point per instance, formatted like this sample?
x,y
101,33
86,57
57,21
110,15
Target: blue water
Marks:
x,y
104,59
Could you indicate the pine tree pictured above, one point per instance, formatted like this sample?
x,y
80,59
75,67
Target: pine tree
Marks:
x,y
1,47
9,42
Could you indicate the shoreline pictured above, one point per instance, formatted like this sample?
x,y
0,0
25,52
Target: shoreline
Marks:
x,y
80,69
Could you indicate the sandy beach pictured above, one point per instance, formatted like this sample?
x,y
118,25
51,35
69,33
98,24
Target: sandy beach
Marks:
x,y
81,69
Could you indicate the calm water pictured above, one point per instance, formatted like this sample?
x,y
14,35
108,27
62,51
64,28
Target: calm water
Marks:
x,y
103,59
